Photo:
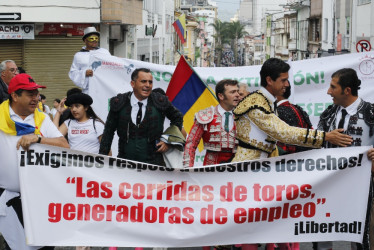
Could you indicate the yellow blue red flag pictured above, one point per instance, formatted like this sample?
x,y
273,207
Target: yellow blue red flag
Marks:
x,y
8,126
180,27
189,93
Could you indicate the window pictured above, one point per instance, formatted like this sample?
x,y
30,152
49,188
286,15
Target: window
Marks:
x,y
314,34
258,47
347,25
154,7
360,2
168,24
293,29
325,29
147,5
155,57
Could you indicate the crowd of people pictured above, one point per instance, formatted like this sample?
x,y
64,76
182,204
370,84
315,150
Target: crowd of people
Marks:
x,y
243,126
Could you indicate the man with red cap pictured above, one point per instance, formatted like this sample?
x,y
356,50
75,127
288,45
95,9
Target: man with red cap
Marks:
x,y
22,125
80,70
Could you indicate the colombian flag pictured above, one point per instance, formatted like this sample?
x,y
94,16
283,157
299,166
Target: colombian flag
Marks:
x,y
180,27
188,93
10,127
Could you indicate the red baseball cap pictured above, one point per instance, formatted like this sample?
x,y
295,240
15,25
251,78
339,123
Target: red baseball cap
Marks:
x,y
23,81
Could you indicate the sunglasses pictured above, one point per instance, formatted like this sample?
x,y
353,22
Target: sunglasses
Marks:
x,y
93,38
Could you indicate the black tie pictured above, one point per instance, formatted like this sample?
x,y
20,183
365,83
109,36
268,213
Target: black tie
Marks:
x,y
139,115
275,106
341,122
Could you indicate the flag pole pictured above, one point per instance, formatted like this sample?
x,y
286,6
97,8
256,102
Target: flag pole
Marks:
x,y
198,75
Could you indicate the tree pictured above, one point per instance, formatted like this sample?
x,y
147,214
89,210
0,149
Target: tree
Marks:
x,y
220,38
236,31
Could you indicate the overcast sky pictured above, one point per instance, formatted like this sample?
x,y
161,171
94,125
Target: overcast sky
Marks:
x,y
227,9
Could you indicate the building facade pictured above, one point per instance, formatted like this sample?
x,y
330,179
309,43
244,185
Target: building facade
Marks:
x,y
155,37
43,38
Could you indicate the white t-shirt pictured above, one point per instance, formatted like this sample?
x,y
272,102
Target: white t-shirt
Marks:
x,y
53,112
8,153
47,109
82,135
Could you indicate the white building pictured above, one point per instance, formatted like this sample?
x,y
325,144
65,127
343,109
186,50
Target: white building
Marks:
x,y
44,36
302,8
208,16
155,39
328,26
253,14
362,25
344,24
205,41
261,8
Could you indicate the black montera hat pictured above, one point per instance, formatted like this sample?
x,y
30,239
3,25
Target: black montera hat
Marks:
x,y
80,98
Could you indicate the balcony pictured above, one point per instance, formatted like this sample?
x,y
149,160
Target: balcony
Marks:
x,y
122,11
280,50
292,46
297,4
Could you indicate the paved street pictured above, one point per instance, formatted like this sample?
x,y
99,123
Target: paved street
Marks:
x,y
303,246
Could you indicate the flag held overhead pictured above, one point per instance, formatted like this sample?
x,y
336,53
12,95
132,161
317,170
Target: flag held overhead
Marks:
x,y
189,93
180,27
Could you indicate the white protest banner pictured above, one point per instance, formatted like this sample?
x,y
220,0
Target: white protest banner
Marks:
x,y
311,78
71,198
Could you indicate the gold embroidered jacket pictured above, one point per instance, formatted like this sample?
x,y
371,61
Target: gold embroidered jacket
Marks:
x,y
258,129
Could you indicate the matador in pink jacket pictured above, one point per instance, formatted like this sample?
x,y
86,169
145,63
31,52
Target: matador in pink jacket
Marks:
x,y
216,126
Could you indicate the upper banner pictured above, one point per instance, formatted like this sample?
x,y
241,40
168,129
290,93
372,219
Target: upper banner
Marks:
x,y
87,199
311,78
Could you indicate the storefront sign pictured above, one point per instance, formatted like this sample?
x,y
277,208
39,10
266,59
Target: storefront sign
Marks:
x,y
65,29
16,31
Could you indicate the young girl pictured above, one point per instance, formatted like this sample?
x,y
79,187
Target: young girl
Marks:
x,y
83,127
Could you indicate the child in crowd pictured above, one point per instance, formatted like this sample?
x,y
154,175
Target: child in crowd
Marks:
x,y
83,127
